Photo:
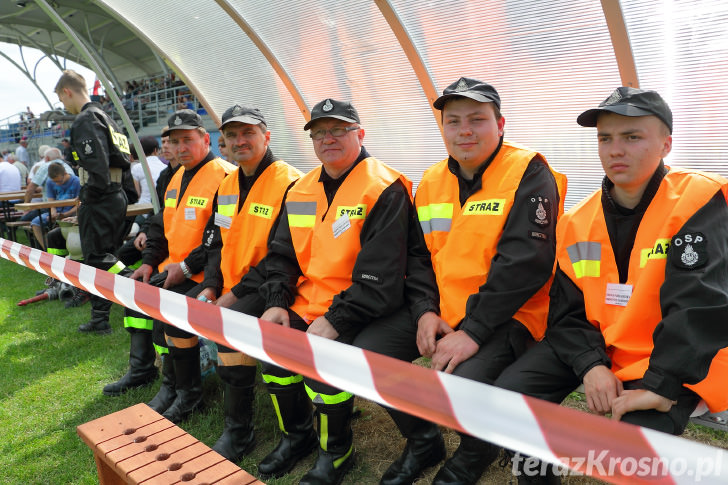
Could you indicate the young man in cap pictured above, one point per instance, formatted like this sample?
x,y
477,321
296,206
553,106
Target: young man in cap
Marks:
x,y
639,300
173,248
245,209
335,268
102,152
487,215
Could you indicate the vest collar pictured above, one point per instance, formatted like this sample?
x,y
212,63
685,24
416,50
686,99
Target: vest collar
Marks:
x,y
611,206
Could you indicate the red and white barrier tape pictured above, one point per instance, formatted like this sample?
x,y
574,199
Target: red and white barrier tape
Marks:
x,y
585,443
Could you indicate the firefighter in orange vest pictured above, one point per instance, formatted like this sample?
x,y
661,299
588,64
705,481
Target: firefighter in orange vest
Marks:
x,y
488,216
639,300
174,248
245,209
335,268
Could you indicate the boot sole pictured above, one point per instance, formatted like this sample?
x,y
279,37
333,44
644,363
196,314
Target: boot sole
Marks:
x,y
104,331
296,458
128,388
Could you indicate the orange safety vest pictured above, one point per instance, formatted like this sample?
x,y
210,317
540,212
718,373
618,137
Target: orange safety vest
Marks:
x,y
185,222
327,239
463,240
627,322
245,234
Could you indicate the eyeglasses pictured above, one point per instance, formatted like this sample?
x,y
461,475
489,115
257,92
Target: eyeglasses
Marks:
x,y
337,132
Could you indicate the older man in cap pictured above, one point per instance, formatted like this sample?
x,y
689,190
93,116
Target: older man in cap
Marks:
x,y
173,247
639,300
245,209
335,268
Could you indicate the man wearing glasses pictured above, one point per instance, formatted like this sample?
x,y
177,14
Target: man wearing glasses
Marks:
x,y
335,268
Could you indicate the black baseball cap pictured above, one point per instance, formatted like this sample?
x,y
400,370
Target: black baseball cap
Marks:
x,y
628,101
184,119
242,114
469,88
331,108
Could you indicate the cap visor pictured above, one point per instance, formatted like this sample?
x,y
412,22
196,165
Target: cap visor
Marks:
x,y
180,127
440,102
248,120
589,117
342,118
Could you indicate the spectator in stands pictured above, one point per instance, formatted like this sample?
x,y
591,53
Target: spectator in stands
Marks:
x,y
151,150
41,153
67,151
185,103
59,186
21,153
20,167
40,176
9,176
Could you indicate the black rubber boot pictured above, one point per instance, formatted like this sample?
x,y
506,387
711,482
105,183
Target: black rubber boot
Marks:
x,y
336,444
99,323
141,371
425,448
188,383
468,462
238,435
166,394
295,418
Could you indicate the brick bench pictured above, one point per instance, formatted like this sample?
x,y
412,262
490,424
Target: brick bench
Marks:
x,y
138,445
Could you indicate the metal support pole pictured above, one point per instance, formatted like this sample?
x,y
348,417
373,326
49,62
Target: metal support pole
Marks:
x,y
86,53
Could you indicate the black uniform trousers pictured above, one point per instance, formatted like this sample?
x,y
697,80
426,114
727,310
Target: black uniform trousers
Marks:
x,y
393,335
503,347
102,226
541,373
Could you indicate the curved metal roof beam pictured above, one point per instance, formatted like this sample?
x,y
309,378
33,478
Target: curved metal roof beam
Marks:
x,y
30,41
269,55
413,55
96,67
31,78
149,42
620,42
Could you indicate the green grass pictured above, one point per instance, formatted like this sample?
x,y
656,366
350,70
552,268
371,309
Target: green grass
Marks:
x,y
51,378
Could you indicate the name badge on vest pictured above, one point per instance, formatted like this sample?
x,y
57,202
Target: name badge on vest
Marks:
x,y
341,225
223,221
190,214
618,294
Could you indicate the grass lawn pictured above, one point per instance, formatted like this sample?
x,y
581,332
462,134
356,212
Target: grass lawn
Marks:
x,y
51,378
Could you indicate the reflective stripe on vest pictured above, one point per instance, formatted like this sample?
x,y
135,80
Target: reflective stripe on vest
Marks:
x,y
435,217
245,235
463,240
326,257
226,204
628,325
301,214
185,220
58,252
170,198
585,258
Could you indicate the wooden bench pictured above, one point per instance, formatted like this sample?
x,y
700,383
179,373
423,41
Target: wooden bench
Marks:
x,y
138,445
13,227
